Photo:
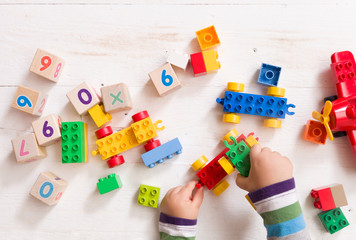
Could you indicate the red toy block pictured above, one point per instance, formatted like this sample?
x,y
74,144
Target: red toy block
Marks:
x,y
315,132
323,198
198,64
211,174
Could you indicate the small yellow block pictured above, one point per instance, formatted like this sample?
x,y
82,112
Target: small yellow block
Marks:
x,y
99,116
144,130
221,187
226,165
210,60
250,141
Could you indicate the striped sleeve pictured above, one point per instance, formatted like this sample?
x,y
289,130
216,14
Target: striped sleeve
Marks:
x,y
279,207
173,228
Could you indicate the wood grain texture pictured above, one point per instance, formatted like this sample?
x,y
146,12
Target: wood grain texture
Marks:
x,y
108,42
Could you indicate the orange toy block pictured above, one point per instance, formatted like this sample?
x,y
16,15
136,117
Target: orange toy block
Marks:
x,y
208,38
47,129
29,100
47,65
48,188
165,80
26,148
83,97
315,132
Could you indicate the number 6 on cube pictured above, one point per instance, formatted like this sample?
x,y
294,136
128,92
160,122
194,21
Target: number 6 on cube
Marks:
x,y
47,129
165,79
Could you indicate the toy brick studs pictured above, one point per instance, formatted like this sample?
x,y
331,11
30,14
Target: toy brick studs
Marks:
x,y
74,142
333,220
26,148
269,75
165,79
47,65
48,188
148,196
109,183
208,38
29,100
315,132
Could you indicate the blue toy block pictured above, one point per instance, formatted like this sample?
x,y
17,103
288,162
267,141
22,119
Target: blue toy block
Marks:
x,y
269,75
158,154
260,105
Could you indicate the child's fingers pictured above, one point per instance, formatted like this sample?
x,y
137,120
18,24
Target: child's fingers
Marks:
x,y
198,197
255,150
242,182
188,188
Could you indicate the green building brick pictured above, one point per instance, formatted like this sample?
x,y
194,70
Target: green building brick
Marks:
x,y
333,220
108,184
239,155
148,196
74,142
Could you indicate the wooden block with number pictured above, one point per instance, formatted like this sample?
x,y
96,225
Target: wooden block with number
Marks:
x,y
47,129
26,148
165,79
83,97
116,98
48,188
47,65
29,100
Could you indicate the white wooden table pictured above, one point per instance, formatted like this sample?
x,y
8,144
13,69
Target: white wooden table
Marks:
x,y
110,41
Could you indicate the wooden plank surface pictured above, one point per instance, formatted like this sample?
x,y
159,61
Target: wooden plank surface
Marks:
x,y
115,41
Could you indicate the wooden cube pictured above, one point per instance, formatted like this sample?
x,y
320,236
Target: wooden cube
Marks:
x,y
48,188
165,79
116,98
47,129
47,65
178,59
339,196
29,100
26,148
83,97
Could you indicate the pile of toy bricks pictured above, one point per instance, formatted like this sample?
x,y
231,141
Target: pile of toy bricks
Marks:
x,y
329,199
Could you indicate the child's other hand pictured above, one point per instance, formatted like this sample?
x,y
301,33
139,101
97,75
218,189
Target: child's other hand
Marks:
x,y
182,202
267,168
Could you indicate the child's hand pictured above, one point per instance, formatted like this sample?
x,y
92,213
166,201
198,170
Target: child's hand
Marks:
x,y
182,202
267,168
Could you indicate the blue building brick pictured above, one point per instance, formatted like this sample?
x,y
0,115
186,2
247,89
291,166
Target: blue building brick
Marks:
x,y
252,104
269,75
158,154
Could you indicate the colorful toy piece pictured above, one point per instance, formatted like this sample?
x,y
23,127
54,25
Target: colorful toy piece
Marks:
x,y
333,220
29,100
47,65
177,59
47,129
205,62
208,38
158,154
329,197
83,97
26,148
165,80
48,188
99,116
74,142
116,98
273,106
269,75
315,132
148,196
109,183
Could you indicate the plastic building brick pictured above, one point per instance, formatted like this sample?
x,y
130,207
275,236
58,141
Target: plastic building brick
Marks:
x,y
47,129
269,75
165,80
48,188
116,98
239,155
115,161
267,106
220,187
74,142
315,132
109,183
47,65
208,38
144,130
26,148
29,100
210,60
83,97
148,196
251,141
198,64
333,220
329,197
178,60
227,165
211,174
99,116
158,154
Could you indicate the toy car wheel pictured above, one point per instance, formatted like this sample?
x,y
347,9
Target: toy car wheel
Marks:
x,y
272,123
151,144
276,92
220,187
103,132
235,87
200,163
232,133
139,116
115,161
339,134
231,118
330,98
